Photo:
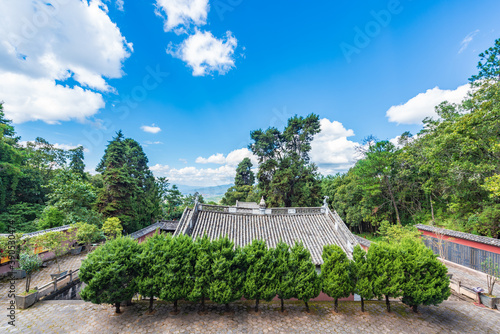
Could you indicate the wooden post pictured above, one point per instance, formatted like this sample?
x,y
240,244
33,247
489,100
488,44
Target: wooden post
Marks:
x,y
70,275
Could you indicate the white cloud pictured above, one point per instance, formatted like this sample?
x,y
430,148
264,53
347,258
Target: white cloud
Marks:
x,y
147,142
181,14
41,44
151,129
423,105
232,159
184,161
32,99
466,41
331,150
206,54
196,176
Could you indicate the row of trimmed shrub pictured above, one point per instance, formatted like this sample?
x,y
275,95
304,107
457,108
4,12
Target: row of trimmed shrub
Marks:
x,y
179,268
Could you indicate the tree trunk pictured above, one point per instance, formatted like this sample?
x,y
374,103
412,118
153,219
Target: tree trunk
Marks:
x,y
257,305
58,267
175,306
151,304
117,308
203,303
336,305
362,304
392,199
307,307
387,303
28,282
227,307
282,305
415,308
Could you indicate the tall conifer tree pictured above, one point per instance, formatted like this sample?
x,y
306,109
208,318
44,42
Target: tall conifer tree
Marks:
x,y
306,281
260,281
336,273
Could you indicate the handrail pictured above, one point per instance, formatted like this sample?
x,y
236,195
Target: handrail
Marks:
x,y
70,273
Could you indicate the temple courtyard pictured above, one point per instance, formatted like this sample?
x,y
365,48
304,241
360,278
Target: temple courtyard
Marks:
x,y
82,317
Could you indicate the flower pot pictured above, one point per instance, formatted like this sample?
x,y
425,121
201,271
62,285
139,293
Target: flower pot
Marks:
x,y
18,273
488,301
23,302
61,274
77,250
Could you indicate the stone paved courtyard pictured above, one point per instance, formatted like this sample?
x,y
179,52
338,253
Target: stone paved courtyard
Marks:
x,y
82,317
42,276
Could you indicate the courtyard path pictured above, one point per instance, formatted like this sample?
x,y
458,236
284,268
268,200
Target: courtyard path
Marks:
x,y
42,276
83,317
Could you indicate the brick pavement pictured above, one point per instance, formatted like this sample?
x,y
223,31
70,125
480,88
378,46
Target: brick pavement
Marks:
x,y
471,278
82,317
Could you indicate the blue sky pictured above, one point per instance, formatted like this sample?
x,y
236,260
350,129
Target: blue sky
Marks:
x,y
203,74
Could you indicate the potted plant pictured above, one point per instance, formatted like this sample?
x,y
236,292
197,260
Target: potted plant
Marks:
x,y
29,262
492,276
58,243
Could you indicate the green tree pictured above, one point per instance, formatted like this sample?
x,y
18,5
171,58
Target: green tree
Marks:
x,y
336,273
112,228
29,262
260,281
74,196
202,274
425,281
305,279
51,217
228,272
76,161
244,174
286,176
388,271
177,279
110,272
489,65
87,234
285,288
130,192
362,273
155,252
56,242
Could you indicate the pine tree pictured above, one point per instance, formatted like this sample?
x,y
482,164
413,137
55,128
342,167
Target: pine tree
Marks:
x,y
388,271
244,174
305,279
362,276
76,163
336,273
177,282
202,274
130,192
285,288
155,253
228,272
110,272
260,282
425,280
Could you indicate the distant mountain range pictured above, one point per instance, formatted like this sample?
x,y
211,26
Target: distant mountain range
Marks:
x,y
214,193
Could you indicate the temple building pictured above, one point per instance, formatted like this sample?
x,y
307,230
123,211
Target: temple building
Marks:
x,y
315,226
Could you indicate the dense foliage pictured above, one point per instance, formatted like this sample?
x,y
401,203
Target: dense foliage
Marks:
x,y
286,177
174,268
244,189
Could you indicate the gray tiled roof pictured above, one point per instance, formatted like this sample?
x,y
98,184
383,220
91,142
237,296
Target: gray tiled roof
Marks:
x,y
313,227
363,241
461,235
169,225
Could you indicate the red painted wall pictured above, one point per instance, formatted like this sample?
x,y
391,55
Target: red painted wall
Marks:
x,y
464,242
